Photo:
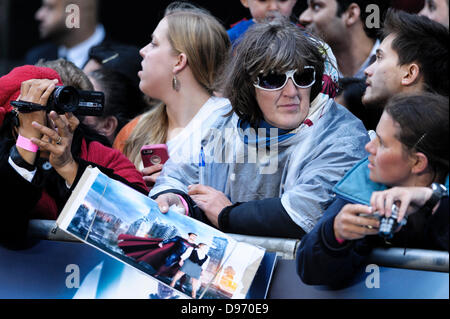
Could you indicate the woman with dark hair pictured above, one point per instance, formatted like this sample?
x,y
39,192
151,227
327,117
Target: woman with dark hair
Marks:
x,y
43,155
123,101
269,166
407,165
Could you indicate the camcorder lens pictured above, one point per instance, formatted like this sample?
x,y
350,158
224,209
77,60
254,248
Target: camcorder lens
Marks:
x,y
69,99
64,99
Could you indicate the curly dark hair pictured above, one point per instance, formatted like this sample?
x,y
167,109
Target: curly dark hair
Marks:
x,y
276,45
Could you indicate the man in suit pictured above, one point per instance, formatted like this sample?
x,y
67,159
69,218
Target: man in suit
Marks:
x,y
70,28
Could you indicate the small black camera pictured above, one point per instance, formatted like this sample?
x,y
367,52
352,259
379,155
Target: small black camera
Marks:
x,y
388,225
67,99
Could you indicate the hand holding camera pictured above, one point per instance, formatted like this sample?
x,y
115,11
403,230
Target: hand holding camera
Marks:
x,y
35,92
409,199
396,203
63,99
58,142
355,221
52,134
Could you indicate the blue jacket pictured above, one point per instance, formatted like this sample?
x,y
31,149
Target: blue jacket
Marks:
x,y
321,260
239,29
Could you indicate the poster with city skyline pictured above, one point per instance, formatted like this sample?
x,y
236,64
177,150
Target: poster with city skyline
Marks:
x,y
180,252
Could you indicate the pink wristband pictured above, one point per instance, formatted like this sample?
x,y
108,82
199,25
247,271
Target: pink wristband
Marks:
x,y
26,144
185,205
340,241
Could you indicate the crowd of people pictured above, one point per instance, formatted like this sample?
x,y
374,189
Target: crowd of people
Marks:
x,y
310,127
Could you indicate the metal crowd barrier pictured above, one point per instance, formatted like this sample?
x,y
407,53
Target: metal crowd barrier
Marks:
x,y
418,259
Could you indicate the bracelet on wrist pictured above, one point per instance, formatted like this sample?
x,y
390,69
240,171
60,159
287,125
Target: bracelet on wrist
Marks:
x,y
185,205
26,144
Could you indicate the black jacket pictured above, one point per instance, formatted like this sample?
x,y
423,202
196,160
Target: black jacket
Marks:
x,y
20,197
265,217
321,260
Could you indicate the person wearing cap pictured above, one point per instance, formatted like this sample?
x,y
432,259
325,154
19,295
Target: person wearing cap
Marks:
x,y
26,139
117,57
123,102
112,69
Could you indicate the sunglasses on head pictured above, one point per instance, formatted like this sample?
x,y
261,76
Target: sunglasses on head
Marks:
x,y
277,81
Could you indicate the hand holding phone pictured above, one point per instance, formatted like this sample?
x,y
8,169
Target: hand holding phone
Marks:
x,y
153,157
154,154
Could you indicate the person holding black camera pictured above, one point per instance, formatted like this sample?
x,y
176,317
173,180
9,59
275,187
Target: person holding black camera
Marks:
x,y
402,176
31,136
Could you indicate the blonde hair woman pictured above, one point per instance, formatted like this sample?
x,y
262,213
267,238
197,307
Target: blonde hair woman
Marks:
x,y
180,65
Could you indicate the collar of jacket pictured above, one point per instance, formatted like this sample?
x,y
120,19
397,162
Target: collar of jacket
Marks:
x,y
357,187
283,138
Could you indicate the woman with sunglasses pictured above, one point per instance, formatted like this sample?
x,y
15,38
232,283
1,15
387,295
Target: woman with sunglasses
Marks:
x,y
407,164
271,163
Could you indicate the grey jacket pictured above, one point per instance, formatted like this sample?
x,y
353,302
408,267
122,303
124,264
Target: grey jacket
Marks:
x,y
266,177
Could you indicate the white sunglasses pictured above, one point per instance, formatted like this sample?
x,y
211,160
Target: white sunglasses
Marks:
x,y
277,81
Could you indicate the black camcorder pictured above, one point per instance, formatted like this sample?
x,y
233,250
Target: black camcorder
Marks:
x,y
67,99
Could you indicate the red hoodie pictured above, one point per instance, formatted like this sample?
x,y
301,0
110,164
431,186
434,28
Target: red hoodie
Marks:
x,y
95,152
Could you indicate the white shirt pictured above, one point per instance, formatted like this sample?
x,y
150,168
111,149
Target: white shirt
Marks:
x,y
79,54
185,146
207,113
200,253
28,175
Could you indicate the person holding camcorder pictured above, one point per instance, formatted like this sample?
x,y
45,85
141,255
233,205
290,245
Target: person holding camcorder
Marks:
x,y
44,149
66,99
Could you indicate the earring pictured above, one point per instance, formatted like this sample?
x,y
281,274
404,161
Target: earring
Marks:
x,y
175,83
